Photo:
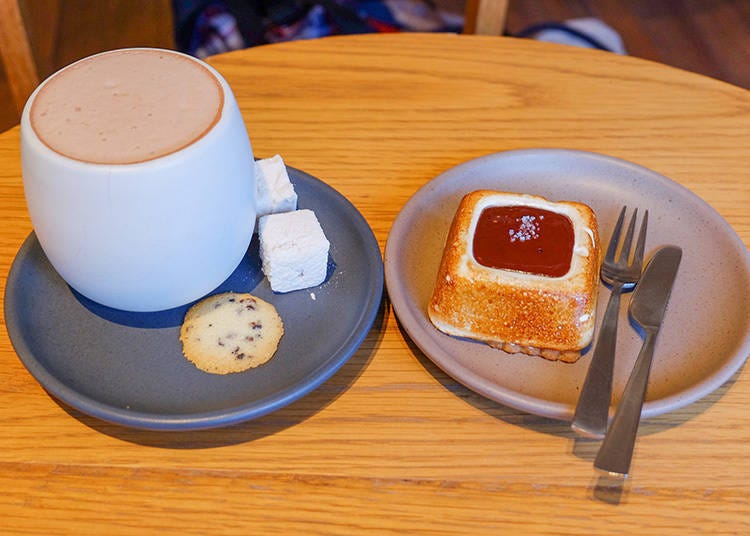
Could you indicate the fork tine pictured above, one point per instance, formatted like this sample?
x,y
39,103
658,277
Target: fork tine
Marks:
x,y
640,245
612,248
625,252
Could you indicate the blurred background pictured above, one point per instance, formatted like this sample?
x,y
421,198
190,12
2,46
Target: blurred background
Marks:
x,y
710,37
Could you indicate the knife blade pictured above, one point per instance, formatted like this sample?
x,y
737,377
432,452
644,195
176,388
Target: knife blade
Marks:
x,y
647,309
649,301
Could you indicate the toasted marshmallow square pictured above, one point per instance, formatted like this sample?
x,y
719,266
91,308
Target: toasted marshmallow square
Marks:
x,y
274,191
293,250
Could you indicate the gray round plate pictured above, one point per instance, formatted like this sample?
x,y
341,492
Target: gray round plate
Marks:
x,y
128,368
705,337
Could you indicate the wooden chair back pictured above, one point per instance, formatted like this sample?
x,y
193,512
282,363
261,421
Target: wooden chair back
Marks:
x,y
16,54
485,17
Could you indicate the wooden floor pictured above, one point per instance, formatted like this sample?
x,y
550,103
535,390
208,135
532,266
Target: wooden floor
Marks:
x,y
710,37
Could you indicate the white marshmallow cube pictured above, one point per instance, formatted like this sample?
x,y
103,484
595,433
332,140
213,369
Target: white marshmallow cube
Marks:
x,y
274,191
293,250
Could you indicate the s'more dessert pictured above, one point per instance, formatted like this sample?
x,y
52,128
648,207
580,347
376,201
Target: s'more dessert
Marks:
x,y
520,273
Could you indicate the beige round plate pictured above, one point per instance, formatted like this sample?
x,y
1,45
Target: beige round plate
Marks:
x,y
705,337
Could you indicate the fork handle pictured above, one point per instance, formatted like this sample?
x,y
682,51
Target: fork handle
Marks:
x,y
616,452
592,410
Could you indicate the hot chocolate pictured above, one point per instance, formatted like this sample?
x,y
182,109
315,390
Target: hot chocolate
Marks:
x,y
126,106
139,177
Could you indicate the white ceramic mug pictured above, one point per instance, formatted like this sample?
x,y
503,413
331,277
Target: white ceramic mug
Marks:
x,y
153,234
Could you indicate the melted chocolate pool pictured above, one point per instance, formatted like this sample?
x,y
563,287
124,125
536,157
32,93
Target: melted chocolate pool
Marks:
x,y
524,239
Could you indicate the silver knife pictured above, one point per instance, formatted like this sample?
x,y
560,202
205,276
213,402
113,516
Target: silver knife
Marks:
x,y
647,308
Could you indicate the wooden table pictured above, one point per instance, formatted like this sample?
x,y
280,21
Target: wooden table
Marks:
x,y
390,444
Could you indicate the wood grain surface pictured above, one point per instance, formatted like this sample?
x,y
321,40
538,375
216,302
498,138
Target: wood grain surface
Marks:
x,y
391,445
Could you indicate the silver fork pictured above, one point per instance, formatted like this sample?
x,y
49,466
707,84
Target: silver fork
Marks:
x,y
592,411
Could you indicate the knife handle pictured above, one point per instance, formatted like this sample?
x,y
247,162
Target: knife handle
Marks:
x,y
616,451
592,411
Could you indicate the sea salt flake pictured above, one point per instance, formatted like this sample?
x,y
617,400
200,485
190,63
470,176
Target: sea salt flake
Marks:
x,y
527,230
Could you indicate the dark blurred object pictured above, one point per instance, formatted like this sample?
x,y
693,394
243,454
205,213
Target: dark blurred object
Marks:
x,y
206,27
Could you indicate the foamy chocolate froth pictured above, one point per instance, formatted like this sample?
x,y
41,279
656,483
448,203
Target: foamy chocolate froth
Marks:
x,y
126,106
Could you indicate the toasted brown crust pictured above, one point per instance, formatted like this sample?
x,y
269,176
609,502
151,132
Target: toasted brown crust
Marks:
x,y
517,312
